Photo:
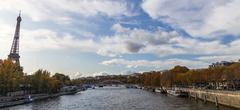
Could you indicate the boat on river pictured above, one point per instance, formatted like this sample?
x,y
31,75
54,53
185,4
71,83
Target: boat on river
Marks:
x,y
177,93
158,90
69,90
11,101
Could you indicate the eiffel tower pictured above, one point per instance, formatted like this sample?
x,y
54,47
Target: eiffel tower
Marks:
x,y
14,53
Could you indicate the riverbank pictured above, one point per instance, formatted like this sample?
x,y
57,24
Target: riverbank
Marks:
x,y
226,98
13,101
218,97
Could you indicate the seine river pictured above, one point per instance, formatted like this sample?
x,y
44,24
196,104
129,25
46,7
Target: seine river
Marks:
x,y
116,98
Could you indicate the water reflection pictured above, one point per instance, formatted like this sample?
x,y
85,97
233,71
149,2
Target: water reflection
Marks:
x,y
116,98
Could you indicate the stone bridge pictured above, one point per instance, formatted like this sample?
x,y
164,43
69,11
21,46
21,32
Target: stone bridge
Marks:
x,y
110,82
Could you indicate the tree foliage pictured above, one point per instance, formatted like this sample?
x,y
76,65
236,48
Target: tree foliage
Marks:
x,y
11,76
13,79
64,79
180,76
184,77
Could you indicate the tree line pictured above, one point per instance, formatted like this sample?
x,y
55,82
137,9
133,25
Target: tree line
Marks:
x,y
219,77
12,78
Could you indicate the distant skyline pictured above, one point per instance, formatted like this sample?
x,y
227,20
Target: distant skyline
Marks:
x,y
94,37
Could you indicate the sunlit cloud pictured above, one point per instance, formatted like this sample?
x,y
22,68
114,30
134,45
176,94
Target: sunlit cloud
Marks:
x,y
61,10
198,17
121,34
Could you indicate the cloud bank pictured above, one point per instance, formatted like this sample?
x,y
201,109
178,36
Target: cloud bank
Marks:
x,y
198,17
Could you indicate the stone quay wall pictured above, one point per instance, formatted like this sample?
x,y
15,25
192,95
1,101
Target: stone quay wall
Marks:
x,y
227,98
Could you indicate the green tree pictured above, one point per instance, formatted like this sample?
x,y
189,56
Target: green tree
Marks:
x,y
42,82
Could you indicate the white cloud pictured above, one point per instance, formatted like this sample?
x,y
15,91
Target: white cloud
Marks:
x,y
43,39
224,19
5,39
157,64
198,17
194,46
119,29
60,10
160,43
123,44
105,73
130,41
76,75
125,40
212,59
102,73
164,50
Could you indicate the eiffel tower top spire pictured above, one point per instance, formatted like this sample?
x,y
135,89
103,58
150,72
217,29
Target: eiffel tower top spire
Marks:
x,y
14,52
19,16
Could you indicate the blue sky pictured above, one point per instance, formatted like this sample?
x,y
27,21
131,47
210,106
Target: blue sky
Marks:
x,y
94,37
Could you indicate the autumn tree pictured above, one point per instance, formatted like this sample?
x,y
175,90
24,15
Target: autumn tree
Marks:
x,y
11,76
63,79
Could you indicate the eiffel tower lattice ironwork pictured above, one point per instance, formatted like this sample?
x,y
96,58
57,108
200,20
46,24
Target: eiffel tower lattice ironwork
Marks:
x,y
14,53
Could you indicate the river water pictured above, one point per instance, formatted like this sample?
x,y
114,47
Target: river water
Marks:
x,y
118,98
